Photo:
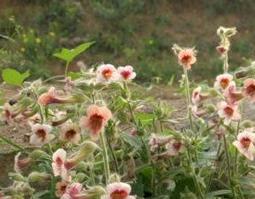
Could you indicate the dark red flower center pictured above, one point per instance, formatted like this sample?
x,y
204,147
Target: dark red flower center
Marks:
x,y
70,134
125,74
186,59
41,133
107,73
245,142
251,89
119,194
229,111
59,161
96,122
224,83
221,49
177,146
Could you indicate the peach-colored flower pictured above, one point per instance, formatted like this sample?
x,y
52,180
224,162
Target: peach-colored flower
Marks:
x,y
41,134
96,119
52,97
61,188
156,141
174,147
232,95
245,143
74,191
223,81
19,163
107,73
118,190
228,112
126,73
70,132
187,57
249,89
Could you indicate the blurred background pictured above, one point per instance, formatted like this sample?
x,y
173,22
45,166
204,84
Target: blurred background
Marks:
x,y
135,32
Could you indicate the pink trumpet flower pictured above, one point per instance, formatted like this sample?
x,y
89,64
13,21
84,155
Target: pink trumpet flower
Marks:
x,y
95,120
223,81
41,134
174,147
126,72
249,89
187,57
52,97
118,190
107,73
70,132
20,164
232,95
74,191
228,112
245,144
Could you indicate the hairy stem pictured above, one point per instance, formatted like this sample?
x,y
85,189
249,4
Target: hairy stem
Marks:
x,y
105,157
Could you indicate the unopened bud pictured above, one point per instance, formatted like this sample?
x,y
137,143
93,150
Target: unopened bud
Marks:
x,y
38,177
38,154
95,192
247,124
114,178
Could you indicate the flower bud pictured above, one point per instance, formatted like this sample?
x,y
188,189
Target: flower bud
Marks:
x,y
95,192
114,178
247,124
213,92
38,154
38,177
211,108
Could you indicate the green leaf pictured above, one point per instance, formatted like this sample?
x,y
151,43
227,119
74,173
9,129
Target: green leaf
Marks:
x,y
74,75
68,55
14,77
145,118
131,140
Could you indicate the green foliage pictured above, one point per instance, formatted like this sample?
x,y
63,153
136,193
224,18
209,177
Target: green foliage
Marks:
x,y
68,55
13,77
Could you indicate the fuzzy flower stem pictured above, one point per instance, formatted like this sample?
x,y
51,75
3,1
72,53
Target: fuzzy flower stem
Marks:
x,y
229,166
105,157
196,183
236,151
225,63
188,97
113,155
66,69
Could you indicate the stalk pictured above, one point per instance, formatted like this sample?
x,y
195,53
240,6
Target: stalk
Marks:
x,y
105,157
229,166
66,69
188,97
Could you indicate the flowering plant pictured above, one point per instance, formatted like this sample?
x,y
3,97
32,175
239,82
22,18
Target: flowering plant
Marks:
x,y
93,137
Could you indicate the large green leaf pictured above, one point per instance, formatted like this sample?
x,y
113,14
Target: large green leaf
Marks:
x,y
14,77
69,54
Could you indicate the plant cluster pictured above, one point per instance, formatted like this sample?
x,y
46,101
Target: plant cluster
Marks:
x,y
93,138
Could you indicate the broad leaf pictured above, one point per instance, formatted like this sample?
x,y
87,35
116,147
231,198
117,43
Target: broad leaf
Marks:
x,y
69,54
14,77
